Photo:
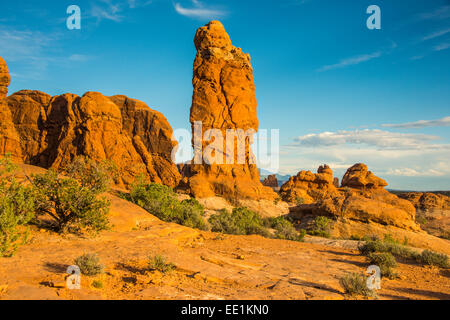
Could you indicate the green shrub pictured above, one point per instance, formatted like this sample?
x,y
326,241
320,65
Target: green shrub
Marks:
x,y
434,259
321,227
97,284
89,264
299,201
394,248
158,262
241,221
355,284
72,207
385,261
17,206
96,176
161,201
284,229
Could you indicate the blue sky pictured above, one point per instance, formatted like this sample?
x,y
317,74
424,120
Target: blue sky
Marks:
x,y
339,92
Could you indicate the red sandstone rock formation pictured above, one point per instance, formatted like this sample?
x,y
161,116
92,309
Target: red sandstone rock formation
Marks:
x,y
307,187
358,176
362,198
223,98
271,181
51,131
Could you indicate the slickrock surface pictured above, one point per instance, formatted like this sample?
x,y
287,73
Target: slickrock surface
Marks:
x,y
223,98
51,131
208,265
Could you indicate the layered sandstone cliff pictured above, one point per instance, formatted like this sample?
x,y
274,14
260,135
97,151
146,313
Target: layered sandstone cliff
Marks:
x,y
223,99
50,132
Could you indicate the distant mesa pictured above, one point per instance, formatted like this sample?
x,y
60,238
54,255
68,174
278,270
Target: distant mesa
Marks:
x,y
271,181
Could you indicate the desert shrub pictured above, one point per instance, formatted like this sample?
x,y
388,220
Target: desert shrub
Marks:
x,y
299,201
72,207
96,176
355,284
240,221
394,248
284,229
385,261
161,201
97,284
17,206
321,227
434,259
158,262
89,264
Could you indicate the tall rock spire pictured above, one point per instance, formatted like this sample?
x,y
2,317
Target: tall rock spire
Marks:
x,y
223,99
5,79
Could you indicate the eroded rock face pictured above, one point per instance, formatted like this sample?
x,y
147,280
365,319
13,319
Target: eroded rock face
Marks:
x,y
9,138
51,131
5,79
223,98
427,201
307,187
359,176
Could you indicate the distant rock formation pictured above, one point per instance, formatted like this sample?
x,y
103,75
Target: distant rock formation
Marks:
x,y
427,201
271,181
336,182
362,197
307,187
223,98
359,176
51,131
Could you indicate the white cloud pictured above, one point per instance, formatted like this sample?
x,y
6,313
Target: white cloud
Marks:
x,y
444,122
199,11
436,34
79,58
440,13
351,61
442,46
369,137
399,158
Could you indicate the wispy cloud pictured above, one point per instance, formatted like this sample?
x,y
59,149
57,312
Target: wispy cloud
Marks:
x,y
351,61
444,122
442,46
113,10
369,137
199,11
440,13
79,58
436,34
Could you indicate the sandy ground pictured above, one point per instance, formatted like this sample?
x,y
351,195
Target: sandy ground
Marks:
x,y
208,265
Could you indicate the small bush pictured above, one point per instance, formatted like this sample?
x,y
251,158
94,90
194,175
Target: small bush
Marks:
x,y
17,206
284,229
89,264
385,261
355,284
72,206
158,262
161,201
97,284
96,176
394,248
299,201
434,259
321,227
241,221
